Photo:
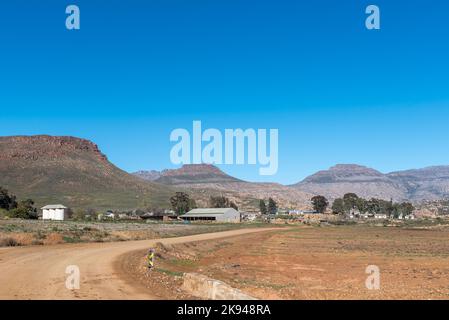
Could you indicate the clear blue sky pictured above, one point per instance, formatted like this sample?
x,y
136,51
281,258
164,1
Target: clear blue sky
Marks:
x,y
136,70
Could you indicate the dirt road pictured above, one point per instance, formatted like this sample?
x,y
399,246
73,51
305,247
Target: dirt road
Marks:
x,y
38,272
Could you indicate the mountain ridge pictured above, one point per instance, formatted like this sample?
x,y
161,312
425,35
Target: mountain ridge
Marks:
x,y
429,183
74,171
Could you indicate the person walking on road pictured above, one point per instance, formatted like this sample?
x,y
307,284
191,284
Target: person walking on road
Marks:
x,y
150,259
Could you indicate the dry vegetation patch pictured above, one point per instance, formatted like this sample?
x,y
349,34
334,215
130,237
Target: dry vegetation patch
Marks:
x,y
319,262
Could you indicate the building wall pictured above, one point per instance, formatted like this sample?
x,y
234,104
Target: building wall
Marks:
x,y
53,214
229,216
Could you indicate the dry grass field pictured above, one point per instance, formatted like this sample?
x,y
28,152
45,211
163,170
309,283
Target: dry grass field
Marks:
x,y
313,263
16,232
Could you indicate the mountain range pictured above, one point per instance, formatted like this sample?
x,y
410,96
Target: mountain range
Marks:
x,y
75,172
431,183
206,180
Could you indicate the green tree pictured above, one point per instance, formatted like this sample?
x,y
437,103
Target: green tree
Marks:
x,y
221,202
361,205
374,206
181,203
79,214
406,208
389,207
319,203
262,207
69,213
272,206
350,202
338,206
380,206
25,210
7,201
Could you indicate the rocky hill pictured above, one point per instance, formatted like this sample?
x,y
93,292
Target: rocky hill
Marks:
x,y
189,173
148,175
414,185
431,183
205,180
71,171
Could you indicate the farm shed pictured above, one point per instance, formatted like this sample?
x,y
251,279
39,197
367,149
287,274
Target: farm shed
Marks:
x,y
212,214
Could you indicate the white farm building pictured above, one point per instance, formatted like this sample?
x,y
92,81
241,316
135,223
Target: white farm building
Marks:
x,y
212,214
54,212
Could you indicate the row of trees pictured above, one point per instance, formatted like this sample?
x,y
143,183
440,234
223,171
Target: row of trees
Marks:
x,y
181,203
271,208
23,209
351,203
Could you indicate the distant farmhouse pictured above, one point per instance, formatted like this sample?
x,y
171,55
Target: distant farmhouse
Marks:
x,y
212,214
54,212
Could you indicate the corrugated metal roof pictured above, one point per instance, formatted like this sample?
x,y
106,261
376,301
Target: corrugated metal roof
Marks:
x,y
202,211
54,206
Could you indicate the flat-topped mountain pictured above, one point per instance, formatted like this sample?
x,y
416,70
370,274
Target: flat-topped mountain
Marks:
x,y
206,179
72,171
189,173
345,172
429,183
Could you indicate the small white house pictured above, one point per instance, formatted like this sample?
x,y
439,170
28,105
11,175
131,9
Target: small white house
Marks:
x,y
54,212
212,214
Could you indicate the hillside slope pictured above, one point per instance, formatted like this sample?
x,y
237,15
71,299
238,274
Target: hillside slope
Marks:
x,y
71,171
431,183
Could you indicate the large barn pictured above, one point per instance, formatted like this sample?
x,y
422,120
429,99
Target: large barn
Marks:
x,y
212,214
54,212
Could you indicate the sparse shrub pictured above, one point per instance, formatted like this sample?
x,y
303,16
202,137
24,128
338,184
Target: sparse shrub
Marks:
x,y
53,238
40,235
3,213
9,242
70,239
25,210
